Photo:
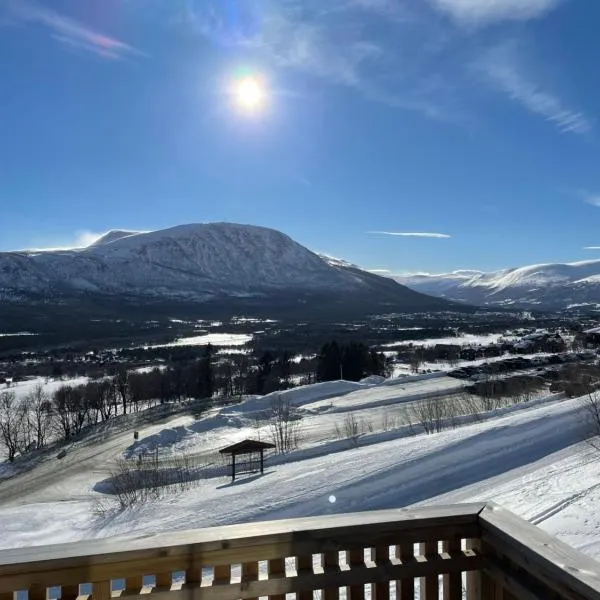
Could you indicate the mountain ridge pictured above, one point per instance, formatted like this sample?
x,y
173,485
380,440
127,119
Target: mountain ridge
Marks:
x,y
199,263
544,285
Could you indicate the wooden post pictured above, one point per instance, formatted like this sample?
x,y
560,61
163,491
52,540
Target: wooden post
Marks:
x,y
232,467
262,461
331,562
381,556
405,588
474,583
452,582
429,589
276,568
249,574
304,565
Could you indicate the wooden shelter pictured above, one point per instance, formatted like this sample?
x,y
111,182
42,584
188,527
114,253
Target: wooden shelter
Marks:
x,y
253,452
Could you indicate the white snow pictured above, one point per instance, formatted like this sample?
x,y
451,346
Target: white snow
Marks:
x,y
466,339
216,339
529,458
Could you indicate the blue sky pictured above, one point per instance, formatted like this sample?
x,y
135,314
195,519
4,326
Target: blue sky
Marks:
x,y
474,120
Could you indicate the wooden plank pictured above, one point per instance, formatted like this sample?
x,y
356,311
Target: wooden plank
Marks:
x,y
330,562
276,568
356,558
238,536
134,583
304,584
304,569
222,575
405,587
69,592
571,574
294,543
381,556
515,584
36,592
101,590
429,586
249,574
452,582
164,580
474,589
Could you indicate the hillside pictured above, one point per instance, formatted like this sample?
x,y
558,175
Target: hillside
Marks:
x,y
546,286
529,458
218,267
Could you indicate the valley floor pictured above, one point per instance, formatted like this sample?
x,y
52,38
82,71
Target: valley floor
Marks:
x,y
529,458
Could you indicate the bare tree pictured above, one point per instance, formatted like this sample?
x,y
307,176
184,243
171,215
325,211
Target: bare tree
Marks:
x,y
591,406
12,417
429,413
285,424
39,415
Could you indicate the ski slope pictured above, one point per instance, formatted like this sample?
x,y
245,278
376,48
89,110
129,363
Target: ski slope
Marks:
x,y
529,458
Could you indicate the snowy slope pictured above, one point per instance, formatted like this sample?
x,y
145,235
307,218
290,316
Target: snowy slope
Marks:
x,y
544,285
193,262
528,458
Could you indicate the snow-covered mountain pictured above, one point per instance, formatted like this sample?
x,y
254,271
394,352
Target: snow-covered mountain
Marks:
x,y
192,263
554,285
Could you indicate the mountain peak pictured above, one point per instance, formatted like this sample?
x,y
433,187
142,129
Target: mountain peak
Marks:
x,y
112,236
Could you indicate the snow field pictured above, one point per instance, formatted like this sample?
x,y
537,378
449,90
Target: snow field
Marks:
x,y
529,458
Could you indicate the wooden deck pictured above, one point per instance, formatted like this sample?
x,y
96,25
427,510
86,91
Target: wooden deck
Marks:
x,y
471,551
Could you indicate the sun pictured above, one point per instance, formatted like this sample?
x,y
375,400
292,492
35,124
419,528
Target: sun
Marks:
x,y
249,94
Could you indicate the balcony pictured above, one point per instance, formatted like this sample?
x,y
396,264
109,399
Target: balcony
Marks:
x,y
473,551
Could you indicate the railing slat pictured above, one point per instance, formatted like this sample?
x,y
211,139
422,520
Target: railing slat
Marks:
x,y
36,592
330,562
474,589
356,558
381,556
69,592
249,574
101,590
452,582
164,581
222,575
430,588
405,588
304,567
277,570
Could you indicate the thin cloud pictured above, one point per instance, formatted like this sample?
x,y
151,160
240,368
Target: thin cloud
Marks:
x,y
593,199
478,12
335,41
591,247
378,271
80,239
502,69
69,31
417,234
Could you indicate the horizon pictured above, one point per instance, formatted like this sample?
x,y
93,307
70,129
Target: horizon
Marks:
x,y
88,239
430,137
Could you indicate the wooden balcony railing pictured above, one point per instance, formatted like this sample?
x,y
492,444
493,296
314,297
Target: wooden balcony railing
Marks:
x,y
471,551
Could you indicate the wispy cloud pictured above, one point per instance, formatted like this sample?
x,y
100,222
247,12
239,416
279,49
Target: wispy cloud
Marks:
x,y
80,239
591,247
68,31
416,234
378,270
374,47
478,12
502,68
593,199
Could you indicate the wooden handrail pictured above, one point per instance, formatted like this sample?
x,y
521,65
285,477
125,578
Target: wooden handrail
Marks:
x,y
498,550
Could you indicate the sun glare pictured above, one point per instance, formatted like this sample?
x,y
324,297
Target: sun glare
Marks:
x,y
249,94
